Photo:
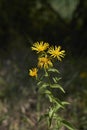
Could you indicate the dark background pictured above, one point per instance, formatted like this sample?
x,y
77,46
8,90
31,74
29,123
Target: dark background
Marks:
x,y
44,20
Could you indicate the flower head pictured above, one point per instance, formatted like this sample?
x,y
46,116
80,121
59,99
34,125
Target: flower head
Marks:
x,y
44,62
83,75
39,47
33,72
56,52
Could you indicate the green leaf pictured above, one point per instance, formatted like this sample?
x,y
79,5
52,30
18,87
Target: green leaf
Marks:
x,y
68,125
58,102
51,111
46,74
57,86
49,122
56,79
51,114
39,83
48,92
50,98
65,103
43,86
53,70
57,107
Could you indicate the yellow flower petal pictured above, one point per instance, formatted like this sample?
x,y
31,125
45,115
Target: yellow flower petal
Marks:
x,y
39,47
83,75
33,72
56,52
44,62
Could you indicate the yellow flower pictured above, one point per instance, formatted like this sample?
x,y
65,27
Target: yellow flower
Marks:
x,y
56,52
44,62
39,47
33,72
83,75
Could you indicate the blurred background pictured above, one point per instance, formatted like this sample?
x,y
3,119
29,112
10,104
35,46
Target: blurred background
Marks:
x,y
59,22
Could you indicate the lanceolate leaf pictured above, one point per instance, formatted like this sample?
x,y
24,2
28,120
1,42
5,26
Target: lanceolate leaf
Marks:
x,y
44,85
56,108
58,102
51,113
49,95
56,79
53,70
65,103
48,92
68,125
50,98
57,86
43,88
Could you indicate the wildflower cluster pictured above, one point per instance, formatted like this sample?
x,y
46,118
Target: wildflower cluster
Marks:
x,y
46,56
48,81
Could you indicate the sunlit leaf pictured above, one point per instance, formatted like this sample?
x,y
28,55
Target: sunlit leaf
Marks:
x,y
57,107
50,98
56,79
65,103
48,92
53,70
43,86
57,86
51,112
58,102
